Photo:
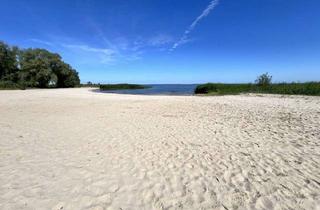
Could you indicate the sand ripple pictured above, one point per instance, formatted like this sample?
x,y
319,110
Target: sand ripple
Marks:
x,y
76,149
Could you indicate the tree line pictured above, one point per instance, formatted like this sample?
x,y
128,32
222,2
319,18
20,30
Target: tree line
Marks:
x,y
34,67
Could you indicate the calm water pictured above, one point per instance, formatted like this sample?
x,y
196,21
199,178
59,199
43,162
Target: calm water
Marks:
x,y
160,90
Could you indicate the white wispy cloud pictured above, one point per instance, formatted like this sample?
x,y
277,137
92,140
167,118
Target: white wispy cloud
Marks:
x,y
184,38
100,33
123,49
106,55
41,42
160,39
120,49
90,49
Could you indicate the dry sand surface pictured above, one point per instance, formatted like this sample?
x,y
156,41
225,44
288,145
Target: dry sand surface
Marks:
x,y
79,149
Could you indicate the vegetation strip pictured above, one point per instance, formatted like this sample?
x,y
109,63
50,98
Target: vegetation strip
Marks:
x,y
309,88
262,85
122,86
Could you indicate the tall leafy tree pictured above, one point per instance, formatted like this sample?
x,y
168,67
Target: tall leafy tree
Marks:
x,y
35,68
41,68
8,61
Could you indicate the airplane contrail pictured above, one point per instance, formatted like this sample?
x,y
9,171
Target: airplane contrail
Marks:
x,y
205,13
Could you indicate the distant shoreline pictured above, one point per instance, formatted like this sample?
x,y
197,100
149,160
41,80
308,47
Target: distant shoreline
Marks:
x,y
123,86
156,89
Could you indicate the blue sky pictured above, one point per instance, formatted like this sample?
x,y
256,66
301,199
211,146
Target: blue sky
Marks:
x,y
172,41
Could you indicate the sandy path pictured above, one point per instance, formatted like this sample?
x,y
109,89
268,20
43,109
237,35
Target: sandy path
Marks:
x,y
76,149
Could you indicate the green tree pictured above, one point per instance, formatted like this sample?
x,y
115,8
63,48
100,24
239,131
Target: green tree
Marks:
x,y
8,61
67,77
41,68
35,68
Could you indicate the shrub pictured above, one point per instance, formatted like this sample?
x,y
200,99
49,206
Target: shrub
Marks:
x,y
264,79
222,89
8,85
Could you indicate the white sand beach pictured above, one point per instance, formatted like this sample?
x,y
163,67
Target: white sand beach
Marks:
x,y
79,149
